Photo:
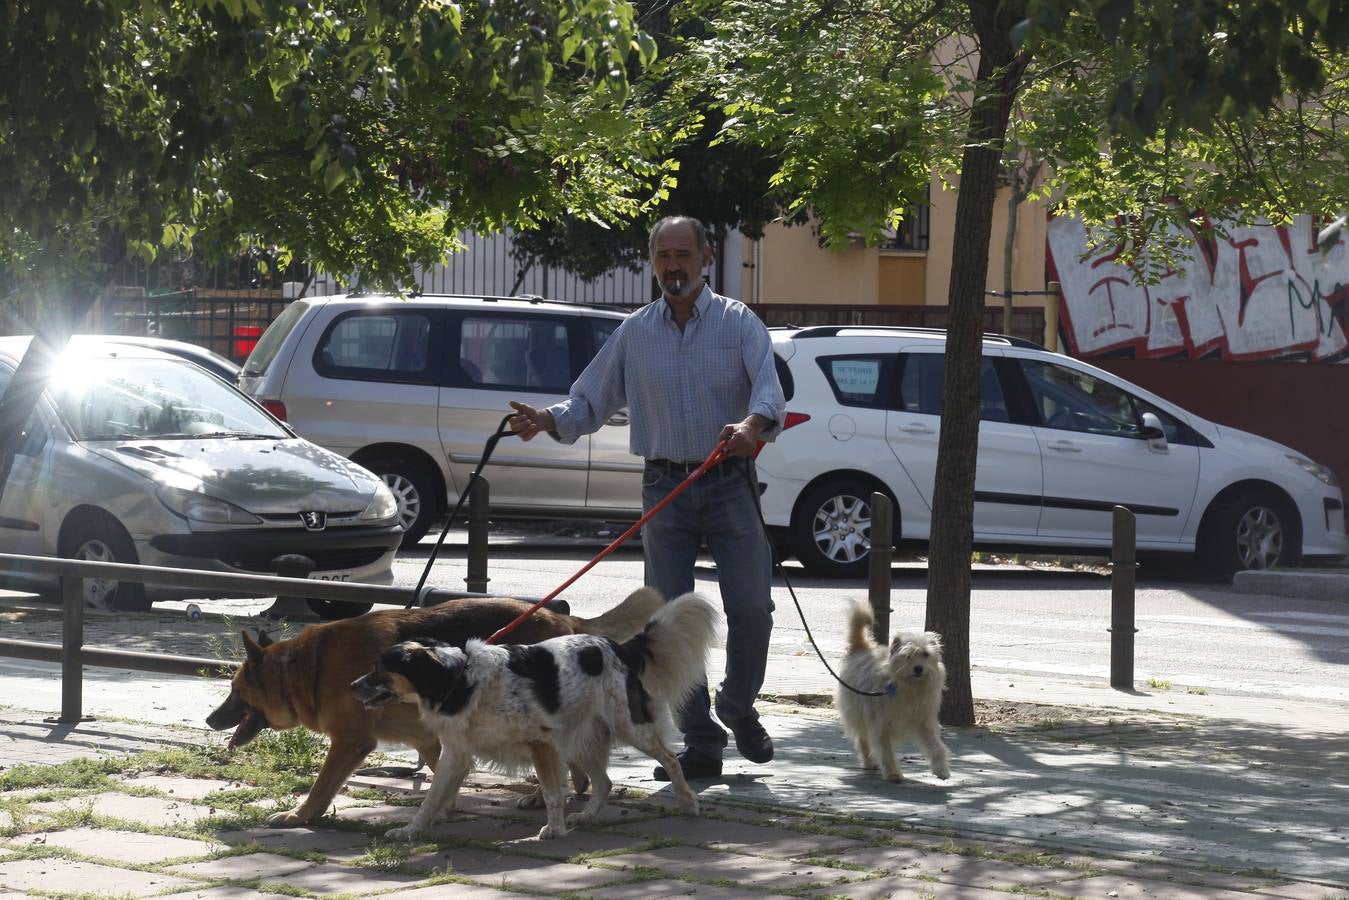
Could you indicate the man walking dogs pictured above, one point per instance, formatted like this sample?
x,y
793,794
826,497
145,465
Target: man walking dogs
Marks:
x,y
694,369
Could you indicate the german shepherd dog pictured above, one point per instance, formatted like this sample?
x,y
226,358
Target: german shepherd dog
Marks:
x,y
566,699
307,680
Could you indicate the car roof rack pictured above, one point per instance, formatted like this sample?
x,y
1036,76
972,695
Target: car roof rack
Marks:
x,y
819,331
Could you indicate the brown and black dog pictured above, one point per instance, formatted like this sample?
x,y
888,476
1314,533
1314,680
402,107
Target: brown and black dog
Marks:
x,y
307,680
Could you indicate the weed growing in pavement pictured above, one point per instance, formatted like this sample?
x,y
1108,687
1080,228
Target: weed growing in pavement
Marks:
x,y
1196,690
1159,684
387,856
77,774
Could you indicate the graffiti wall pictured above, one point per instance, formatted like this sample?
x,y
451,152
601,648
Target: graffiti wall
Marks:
x,y
1260,292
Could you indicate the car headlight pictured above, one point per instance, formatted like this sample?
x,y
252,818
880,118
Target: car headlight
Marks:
x,y
201,508
383,506
1316,470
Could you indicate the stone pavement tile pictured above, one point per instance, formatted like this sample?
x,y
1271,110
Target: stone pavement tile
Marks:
x,y
901,888
128,846
1120,887
526,873
1304,890
712,865
61,876
326,879
455,890
179,786
954,868
661,889
383,813
155,811
302,839
244,868
743,837
578,840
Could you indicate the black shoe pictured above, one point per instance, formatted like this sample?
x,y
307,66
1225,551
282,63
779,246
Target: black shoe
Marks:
x,y
750,738
693,764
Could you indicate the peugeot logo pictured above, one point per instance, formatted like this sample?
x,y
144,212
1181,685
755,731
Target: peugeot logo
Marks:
x,y
314,520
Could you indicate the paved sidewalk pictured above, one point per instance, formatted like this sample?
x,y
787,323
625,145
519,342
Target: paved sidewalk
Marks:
x,y
1089,802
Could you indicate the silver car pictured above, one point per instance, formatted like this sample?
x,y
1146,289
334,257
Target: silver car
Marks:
x,y
137,456
412,389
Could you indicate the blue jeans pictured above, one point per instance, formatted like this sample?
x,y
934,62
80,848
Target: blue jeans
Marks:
x,y
717,508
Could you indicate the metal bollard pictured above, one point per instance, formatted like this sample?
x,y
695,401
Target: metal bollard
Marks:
x,y
72,648
879,560
1123,575
478,528
290,565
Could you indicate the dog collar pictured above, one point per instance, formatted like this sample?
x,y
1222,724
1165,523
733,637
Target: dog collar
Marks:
x,y
890,689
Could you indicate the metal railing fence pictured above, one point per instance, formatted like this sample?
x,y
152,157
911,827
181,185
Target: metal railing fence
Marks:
x,y
74,656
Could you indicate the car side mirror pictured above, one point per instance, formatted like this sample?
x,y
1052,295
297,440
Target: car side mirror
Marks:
x,y
1153,431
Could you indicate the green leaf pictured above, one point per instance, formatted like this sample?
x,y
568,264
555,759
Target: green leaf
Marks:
x,y
333,176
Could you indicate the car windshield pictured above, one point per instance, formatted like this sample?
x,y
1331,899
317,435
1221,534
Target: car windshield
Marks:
x,y
139,399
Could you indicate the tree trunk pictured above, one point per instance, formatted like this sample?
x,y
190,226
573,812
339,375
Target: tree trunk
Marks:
x,y
948,587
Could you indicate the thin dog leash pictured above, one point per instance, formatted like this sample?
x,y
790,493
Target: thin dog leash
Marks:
x,y
777,564
488,448
717,455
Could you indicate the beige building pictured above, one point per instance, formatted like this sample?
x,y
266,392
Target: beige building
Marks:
x,y
790,266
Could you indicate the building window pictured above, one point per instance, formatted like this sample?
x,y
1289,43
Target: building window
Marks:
x,y
912,232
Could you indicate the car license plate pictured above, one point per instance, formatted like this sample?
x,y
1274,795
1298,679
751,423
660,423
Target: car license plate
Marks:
x,y
330,576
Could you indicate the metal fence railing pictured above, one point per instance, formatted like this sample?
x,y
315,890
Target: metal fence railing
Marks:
x,y
74,656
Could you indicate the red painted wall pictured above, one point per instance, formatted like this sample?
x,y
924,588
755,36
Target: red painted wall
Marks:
x,y
1294,403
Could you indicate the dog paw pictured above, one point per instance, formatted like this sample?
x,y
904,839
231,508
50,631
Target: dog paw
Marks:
x,y
689,807
548,833
288,819
942,771
404,833
530,801
577,818
895,777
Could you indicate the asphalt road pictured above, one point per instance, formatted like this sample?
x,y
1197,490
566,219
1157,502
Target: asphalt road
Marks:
x,y
1196,635
1193,637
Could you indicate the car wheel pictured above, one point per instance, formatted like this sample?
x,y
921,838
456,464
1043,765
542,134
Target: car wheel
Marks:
x,y
832,534
415,492
329,610
1248,531
100,540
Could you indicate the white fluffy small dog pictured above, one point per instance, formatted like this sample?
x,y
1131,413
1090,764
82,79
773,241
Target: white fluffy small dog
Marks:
x,y
910,676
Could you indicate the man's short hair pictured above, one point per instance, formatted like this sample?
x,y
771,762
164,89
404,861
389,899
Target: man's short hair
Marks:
x,y
699,231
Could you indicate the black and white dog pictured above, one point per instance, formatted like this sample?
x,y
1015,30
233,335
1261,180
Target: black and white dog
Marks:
x,y
563,700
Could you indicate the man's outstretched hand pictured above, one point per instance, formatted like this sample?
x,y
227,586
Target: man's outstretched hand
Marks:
x,y
529,421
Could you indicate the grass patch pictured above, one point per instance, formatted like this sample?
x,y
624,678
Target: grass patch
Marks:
x,y
1159,684
1197,690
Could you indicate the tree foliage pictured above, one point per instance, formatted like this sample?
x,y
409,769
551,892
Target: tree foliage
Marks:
x,y
355,132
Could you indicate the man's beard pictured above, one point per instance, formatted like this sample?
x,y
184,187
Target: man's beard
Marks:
x,y
674,285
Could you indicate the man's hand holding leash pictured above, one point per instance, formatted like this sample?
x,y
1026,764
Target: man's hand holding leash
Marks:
x,y
528,421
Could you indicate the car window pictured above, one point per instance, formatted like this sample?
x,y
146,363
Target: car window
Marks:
x,y
270,343
384,346
34,436
137,399
857,380
785,379
516,352
1076,401
604,328
921,383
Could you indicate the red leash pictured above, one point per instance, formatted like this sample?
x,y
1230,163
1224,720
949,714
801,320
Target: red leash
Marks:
x,y
717,455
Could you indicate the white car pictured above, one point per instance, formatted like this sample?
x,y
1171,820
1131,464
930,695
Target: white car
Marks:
x,y
137,456
1061,443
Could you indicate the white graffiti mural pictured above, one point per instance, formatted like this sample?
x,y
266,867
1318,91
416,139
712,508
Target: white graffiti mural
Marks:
x,y
1260,292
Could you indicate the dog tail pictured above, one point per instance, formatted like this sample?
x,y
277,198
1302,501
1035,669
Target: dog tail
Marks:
x,y
673,648
627,618
861,619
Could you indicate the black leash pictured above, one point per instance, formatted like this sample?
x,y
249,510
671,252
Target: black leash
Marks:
x,y
777,565
488,448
